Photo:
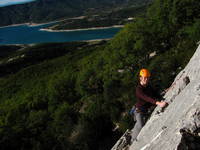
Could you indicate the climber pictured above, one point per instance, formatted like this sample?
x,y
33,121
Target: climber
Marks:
x,y
145,99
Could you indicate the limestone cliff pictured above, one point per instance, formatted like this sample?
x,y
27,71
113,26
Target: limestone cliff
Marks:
x,y
177,127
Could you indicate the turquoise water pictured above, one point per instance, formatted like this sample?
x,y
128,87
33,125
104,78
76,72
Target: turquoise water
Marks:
x,y
24,34
13,2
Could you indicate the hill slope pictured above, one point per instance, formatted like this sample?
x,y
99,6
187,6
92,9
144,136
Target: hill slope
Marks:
x,y
48,10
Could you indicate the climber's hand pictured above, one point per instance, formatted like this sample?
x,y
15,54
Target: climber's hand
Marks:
x,y
161,104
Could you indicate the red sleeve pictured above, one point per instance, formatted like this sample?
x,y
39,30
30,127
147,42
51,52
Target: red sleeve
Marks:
x,y
141,95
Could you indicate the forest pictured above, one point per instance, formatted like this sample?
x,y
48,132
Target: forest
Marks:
x,y
72,95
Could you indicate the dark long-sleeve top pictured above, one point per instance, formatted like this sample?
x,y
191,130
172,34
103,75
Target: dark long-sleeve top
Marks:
x,y
145,98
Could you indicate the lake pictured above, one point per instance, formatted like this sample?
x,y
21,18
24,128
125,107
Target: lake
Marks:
x,y
24,34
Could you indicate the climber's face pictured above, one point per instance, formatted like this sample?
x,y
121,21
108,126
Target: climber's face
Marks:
x,y
144,81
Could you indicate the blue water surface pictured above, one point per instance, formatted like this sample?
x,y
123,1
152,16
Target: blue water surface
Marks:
x,y
24,34
4,3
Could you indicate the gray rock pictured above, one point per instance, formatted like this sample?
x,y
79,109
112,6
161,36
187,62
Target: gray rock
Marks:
x,y
123,142
178,126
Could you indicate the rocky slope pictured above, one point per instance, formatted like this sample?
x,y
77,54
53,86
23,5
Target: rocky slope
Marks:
x,y
177,127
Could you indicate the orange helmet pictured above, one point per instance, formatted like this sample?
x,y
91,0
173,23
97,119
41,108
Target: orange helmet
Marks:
x,y
145,73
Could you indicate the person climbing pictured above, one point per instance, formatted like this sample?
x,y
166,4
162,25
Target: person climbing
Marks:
x,y
145,99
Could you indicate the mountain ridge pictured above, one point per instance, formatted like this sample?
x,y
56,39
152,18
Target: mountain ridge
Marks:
x,y
50,10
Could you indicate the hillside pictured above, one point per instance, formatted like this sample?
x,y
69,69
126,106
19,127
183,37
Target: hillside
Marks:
x,y
49,10
77,95
97,18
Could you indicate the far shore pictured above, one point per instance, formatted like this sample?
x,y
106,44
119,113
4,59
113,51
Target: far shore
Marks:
x,y
38,24
67,30
29,24
15,25
83,29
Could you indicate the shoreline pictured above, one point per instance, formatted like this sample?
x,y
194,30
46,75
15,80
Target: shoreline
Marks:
x,y
13,25
28,24
83,29
38,24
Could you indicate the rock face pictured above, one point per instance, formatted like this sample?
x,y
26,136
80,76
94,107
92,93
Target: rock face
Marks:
x,y
177,127
123,142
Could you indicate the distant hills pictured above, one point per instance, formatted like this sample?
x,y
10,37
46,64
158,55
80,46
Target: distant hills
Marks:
x,y
49,10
